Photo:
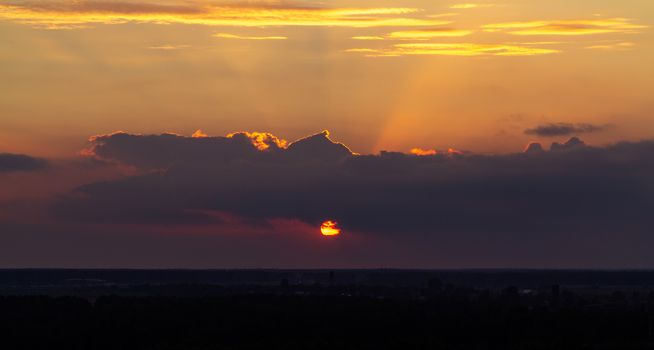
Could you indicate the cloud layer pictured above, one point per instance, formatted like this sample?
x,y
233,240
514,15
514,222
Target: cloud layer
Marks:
x,y
564,129
18,162
572,188
254,198
76,14
456,49
420,30
568,27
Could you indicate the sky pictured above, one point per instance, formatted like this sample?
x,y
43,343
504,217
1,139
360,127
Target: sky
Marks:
x,y
170,133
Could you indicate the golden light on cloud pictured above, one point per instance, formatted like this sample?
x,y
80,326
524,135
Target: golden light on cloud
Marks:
x,y
234,36
567,27
261,140
199,134
423,152
330,228
369,37
80,14
362,50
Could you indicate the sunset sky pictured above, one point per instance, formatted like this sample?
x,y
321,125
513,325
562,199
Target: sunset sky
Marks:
x,y
99,99
437,74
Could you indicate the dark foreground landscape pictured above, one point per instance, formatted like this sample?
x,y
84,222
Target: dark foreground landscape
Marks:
x,y
323,309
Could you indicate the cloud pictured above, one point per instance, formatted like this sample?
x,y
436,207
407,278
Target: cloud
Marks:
x,y
262,141
166,150
78,14
426,34
19,162
613,47
456,49
423,152
470,6
567,27
572,143
363,50
169,47
251,197
561,191
241,37
419,34
534,147
368,37
564,129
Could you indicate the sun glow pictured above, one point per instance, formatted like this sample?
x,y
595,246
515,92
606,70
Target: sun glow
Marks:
x,y
330,228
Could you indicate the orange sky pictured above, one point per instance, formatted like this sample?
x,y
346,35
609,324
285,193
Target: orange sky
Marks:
x,y
392,75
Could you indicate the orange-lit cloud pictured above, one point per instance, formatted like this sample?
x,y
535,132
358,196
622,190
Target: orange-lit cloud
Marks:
x,y
78,14
423,152
198,134
567,27
261,140
456,49
234,36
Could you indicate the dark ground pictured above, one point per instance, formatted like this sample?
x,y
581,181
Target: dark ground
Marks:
x,y
320,309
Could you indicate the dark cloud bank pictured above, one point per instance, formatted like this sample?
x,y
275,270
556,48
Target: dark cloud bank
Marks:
x,y
18,162
564,129
571,188
572,205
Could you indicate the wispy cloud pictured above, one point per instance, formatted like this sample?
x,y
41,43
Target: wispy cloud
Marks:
x,y
613,47
76,14
168,47
368,37
425,34
363,50
469,6
441,15
567,27
418,34
234,36
455,49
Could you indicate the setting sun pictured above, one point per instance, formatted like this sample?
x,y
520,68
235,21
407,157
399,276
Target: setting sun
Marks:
x,y
330,228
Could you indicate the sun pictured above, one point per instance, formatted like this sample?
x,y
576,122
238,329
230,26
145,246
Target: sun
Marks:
x,y
330,228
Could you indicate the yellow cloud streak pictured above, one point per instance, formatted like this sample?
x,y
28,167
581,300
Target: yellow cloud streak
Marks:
x,y
456,49
428,34
168,47
70,15
364,50
234,36
369,37
613,47
566,27
470,6
420,34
